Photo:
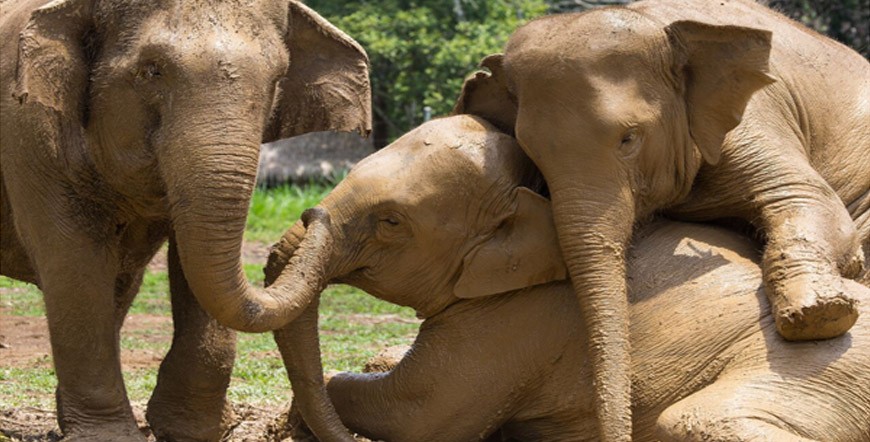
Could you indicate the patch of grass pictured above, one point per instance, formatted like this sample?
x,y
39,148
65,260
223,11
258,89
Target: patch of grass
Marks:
x,y
153,297
140,383
273,211
27,387
354,326
20,298
258,374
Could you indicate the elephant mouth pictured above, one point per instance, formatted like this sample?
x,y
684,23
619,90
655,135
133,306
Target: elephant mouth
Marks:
x,y
353,277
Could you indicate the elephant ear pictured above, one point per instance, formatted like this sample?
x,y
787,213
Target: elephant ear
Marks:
x,y
53,67
721,67
485,94
524,251
327,83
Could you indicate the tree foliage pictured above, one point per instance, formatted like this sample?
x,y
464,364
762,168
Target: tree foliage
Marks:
x,y
847,21
421,51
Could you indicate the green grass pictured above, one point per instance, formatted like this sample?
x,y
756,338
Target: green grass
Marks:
x,y
20,298
274,210
354,326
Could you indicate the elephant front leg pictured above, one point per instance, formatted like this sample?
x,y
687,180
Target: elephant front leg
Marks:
x,y
811,255
189,402
80,297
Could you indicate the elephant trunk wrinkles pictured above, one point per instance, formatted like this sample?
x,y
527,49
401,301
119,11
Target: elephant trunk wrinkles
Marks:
x,y
281,252
299,345
209,188
593,243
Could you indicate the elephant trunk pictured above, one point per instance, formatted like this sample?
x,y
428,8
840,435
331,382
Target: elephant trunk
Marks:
x,y
282,251
299,345
593,236
210,178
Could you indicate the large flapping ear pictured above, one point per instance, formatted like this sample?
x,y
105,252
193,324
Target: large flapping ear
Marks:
x,y
721,66
327,83
485,94
523,252
53,67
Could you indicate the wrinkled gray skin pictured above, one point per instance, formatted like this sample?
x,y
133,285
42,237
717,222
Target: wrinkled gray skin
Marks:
x,y
516,365
705,109
127,123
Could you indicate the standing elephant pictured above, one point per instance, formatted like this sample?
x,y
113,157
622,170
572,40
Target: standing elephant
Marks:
x,y
706,109
127,123
440,220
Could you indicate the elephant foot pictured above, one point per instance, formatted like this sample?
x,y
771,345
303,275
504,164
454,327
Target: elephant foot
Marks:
x,y
821,308
289,425
126,431
188,420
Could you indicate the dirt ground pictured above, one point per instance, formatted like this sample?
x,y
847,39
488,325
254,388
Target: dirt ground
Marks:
x,y
31,348
28,424
253,424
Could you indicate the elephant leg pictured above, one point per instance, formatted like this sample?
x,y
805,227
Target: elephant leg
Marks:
x,y
189,402
80,293
299,345
813,247
810,255
424,399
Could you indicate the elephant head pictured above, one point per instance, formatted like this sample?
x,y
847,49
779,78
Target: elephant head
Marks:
x,y
619,112
167,103
401,238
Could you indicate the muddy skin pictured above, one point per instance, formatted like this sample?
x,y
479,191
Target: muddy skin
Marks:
x,y
665,105
125,124
497,361
519,369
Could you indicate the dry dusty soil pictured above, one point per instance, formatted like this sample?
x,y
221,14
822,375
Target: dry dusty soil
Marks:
x,y
24,342
30,335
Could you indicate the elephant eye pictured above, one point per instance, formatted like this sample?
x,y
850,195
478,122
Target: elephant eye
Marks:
x,y
390,220
630,143
392,225
150,71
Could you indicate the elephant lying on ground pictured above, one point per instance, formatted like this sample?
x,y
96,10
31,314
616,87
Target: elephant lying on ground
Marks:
x,y
438,221
125,123
707,109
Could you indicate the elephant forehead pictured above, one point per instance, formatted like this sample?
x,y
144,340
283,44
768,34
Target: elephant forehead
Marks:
x,y
442,164
195,38
410,176
121,18
438,149
580,41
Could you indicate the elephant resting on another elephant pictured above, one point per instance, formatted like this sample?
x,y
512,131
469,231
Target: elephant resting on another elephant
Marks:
x,y
440,216
704,109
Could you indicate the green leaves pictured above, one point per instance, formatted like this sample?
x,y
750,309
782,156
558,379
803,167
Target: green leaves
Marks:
x,y
421,51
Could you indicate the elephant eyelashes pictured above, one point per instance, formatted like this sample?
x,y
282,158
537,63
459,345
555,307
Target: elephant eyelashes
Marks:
x,y
390,225
630,142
